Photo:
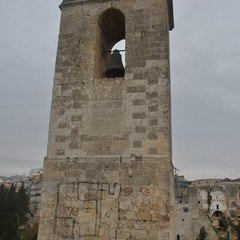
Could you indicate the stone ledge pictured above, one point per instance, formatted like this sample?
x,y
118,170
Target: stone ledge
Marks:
x,y
73,2
121,158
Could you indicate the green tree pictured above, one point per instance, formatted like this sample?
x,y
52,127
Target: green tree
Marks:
x,y
11,228
236,227
3,207
13,208
223,223
22,206
12,200
8,215
202,234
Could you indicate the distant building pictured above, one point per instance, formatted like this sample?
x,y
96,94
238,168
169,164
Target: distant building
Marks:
x,y
32,184
205,202
36,171
17,180
35,190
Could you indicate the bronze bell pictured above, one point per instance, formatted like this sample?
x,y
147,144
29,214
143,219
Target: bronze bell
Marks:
x,y
115,66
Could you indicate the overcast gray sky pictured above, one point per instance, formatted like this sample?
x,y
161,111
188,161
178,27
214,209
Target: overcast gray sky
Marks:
x,y
205,79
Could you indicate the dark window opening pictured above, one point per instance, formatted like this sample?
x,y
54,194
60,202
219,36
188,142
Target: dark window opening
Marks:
x,y
217,214
111,30
178,237
186,209
217,207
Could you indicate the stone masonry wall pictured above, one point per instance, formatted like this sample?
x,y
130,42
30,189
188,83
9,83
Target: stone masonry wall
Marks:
x,y
108,171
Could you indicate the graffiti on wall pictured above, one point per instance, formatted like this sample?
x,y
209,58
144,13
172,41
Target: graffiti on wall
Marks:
x,y
85,209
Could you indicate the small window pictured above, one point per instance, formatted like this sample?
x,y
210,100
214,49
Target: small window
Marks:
x,y
178,237
186,209
217,207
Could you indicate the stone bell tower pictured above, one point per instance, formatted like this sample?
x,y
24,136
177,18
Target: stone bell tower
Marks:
x,y
108,170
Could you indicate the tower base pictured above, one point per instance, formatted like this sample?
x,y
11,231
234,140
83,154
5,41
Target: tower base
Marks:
x,y
107,198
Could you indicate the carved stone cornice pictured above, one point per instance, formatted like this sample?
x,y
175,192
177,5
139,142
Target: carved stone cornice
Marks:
x,y
73,2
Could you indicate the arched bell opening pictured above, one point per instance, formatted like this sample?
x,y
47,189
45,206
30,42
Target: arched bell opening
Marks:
x,y
111,30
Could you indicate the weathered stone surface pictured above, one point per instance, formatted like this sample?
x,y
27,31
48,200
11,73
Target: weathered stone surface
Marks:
x,y
108,170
